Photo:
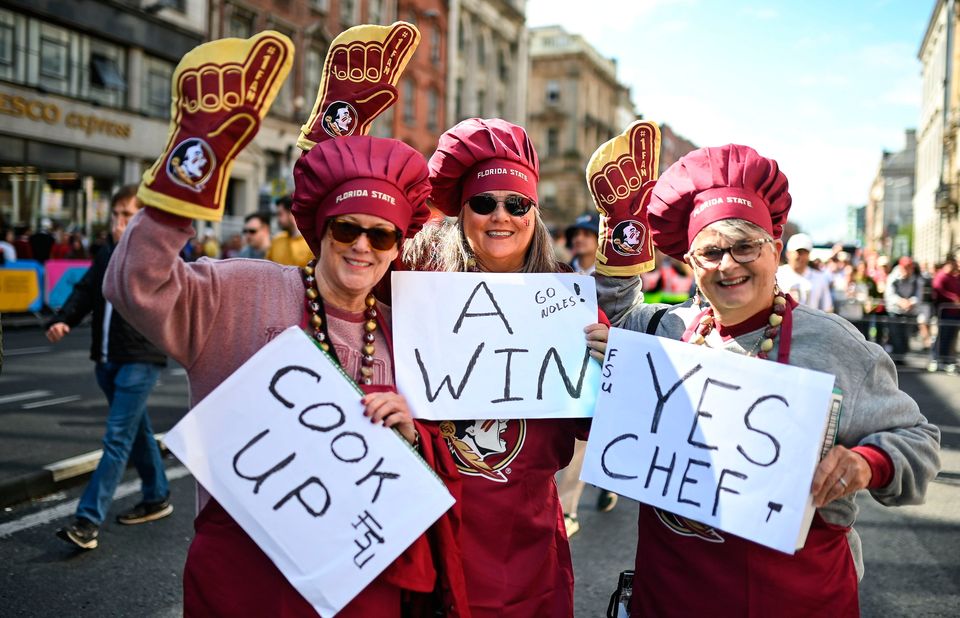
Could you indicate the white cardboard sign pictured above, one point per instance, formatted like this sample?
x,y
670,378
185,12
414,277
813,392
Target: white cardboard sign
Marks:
x,y
283,445
491,345
719,438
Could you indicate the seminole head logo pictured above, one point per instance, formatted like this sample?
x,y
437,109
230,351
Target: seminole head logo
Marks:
x,y
191,164
628,238
688,527
485,447
339,119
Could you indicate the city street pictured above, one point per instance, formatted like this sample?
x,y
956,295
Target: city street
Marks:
x,y
51,409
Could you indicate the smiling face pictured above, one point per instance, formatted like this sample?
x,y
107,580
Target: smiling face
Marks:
x,y
499,240
348,272
736,291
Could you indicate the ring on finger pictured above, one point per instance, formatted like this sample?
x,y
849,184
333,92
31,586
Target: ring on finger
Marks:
x,y
842,482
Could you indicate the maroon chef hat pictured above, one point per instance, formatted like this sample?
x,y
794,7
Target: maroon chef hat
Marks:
x,y
360,175
480,155
711,184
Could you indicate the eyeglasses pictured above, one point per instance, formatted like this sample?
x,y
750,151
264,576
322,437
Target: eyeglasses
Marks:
x,y
247,230
380,238
516,205
742,252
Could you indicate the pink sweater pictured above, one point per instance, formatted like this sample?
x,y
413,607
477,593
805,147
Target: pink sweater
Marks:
x,y
211,316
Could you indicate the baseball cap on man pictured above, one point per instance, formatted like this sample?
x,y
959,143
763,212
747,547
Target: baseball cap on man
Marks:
x,y
360,175
800,242
588,221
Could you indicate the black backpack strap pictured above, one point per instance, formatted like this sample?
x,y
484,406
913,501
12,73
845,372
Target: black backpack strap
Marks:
x,y
655,321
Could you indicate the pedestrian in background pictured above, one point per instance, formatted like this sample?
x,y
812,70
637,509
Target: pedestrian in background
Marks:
x,y
127,368
256,234
946,298
807,285
582,241
902,298
288,247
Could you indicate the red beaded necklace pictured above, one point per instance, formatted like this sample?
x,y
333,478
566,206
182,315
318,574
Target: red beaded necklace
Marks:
x,y
764,344
319,325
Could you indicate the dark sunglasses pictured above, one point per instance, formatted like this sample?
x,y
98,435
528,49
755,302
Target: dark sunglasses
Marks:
x,y
380,239
516,205
247,230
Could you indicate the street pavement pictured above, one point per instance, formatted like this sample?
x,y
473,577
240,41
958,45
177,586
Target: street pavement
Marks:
x,y
51,410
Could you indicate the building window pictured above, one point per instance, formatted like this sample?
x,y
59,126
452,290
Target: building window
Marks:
x,y
320,5
502,69
409,94
240,24
481,102
553,142
436,40
54,59
376,12
348,12
553,92
155,93
462,36
7,47
383,125
283,105
481,50
104,73
433,110
458,97
313,72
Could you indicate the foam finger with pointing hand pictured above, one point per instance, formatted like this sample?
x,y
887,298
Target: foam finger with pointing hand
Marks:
x,y
620,175
221,92
359,80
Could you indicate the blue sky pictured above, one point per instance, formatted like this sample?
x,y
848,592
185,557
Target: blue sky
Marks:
x,y
822,87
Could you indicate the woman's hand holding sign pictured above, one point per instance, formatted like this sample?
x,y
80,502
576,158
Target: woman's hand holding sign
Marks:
x,y
597,340
840,473
392,410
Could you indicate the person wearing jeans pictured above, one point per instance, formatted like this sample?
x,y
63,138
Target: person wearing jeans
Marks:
x,y
129,433
127,369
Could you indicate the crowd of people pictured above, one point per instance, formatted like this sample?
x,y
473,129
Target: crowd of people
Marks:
x,y
360,208
888,301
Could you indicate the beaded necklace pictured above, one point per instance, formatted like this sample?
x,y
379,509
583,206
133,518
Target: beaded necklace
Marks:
x,y
764,344
317,322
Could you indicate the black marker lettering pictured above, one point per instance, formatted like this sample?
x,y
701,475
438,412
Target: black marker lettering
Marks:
x,y
258,480
497,312
661,398
603,458
455,393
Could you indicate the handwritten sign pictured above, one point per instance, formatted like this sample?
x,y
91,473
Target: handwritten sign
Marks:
x,y
283,445
482,345
725,440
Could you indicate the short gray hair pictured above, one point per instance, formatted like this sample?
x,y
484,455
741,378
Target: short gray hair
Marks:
x,y
738,229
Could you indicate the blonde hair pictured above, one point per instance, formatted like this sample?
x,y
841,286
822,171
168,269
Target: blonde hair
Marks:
x,y
444,247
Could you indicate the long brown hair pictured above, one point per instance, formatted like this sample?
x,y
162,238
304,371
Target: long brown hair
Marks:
x,y
443,247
